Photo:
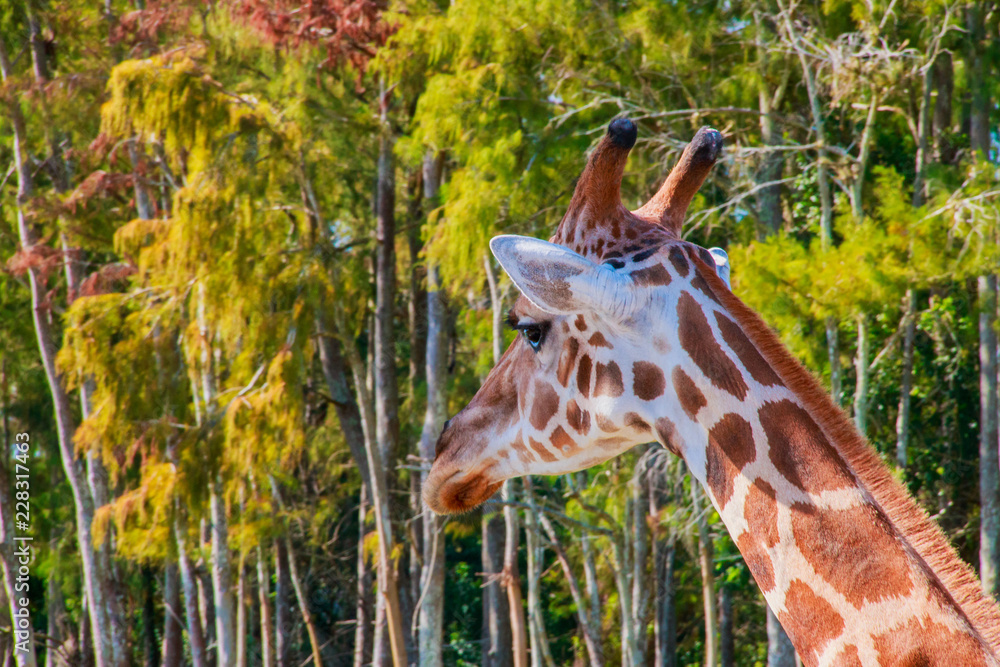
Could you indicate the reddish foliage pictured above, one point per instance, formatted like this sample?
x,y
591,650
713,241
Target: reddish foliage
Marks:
x,y
143,28
349,30
99,183
107,279
39,257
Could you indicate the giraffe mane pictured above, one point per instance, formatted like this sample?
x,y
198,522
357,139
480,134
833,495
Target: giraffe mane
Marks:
x,y
911,522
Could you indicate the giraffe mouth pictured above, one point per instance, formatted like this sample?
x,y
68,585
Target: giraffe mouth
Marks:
x,y
458,492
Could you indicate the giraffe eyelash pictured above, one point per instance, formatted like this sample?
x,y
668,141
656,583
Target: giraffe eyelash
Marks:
x,y
513,321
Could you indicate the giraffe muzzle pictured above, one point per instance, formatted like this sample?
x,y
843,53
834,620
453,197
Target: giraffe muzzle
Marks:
x,y
455,491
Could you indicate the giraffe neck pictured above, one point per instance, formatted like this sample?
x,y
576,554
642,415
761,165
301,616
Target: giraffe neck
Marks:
x,y
856,572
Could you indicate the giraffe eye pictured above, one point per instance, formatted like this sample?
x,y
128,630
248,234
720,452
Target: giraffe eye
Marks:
x,y
534,334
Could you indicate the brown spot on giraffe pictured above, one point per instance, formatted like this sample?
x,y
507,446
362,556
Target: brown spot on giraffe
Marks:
x,y
855,550
757,560
699,342
578,419
598,340
924,642
848,657
810,621
542,452
563,442
544,405
759,369
647,380
800,451
523,455
583,376
502,405
633,420
698,282
652,276
690,397
580,322
730,448
613,443
667,433
567,361
760,509
606,424
679,261
609,380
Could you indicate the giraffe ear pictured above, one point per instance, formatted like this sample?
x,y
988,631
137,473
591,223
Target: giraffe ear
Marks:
x,y
560,281
721,264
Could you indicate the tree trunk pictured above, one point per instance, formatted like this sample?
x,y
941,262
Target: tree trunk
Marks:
x,y
512,580
769,197
496,307
61,644
979,120
989,474
222,579
906,381
780,652
861,371
769,98
386,393
241,613
352,424
172,652
923,138
11,565
283,639
348,413
151,653
363,607
264,600
497,642
196,639
727,643
584,612
944,82
640,561
706,553
417,310
109,646
431,620
665,628
303,601
864,152
541,655
86,637
664,553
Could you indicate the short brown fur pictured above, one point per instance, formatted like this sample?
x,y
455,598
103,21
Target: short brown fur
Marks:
x,y
911,522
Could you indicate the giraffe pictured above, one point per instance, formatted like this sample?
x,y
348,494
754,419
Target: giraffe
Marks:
x,y
628,334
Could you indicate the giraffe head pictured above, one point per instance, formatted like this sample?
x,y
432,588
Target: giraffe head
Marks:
x,y
585,378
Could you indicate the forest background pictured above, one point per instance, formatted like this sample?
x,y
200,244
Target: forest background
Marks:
x,y
245,279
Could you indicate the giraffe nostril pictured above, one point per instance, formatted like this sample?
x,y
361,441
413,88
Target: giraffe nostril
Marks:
x,y
444,427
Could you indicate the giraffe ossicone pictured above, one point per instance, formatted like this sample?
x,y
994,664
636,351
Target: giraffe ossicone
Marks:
x,y
628,334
